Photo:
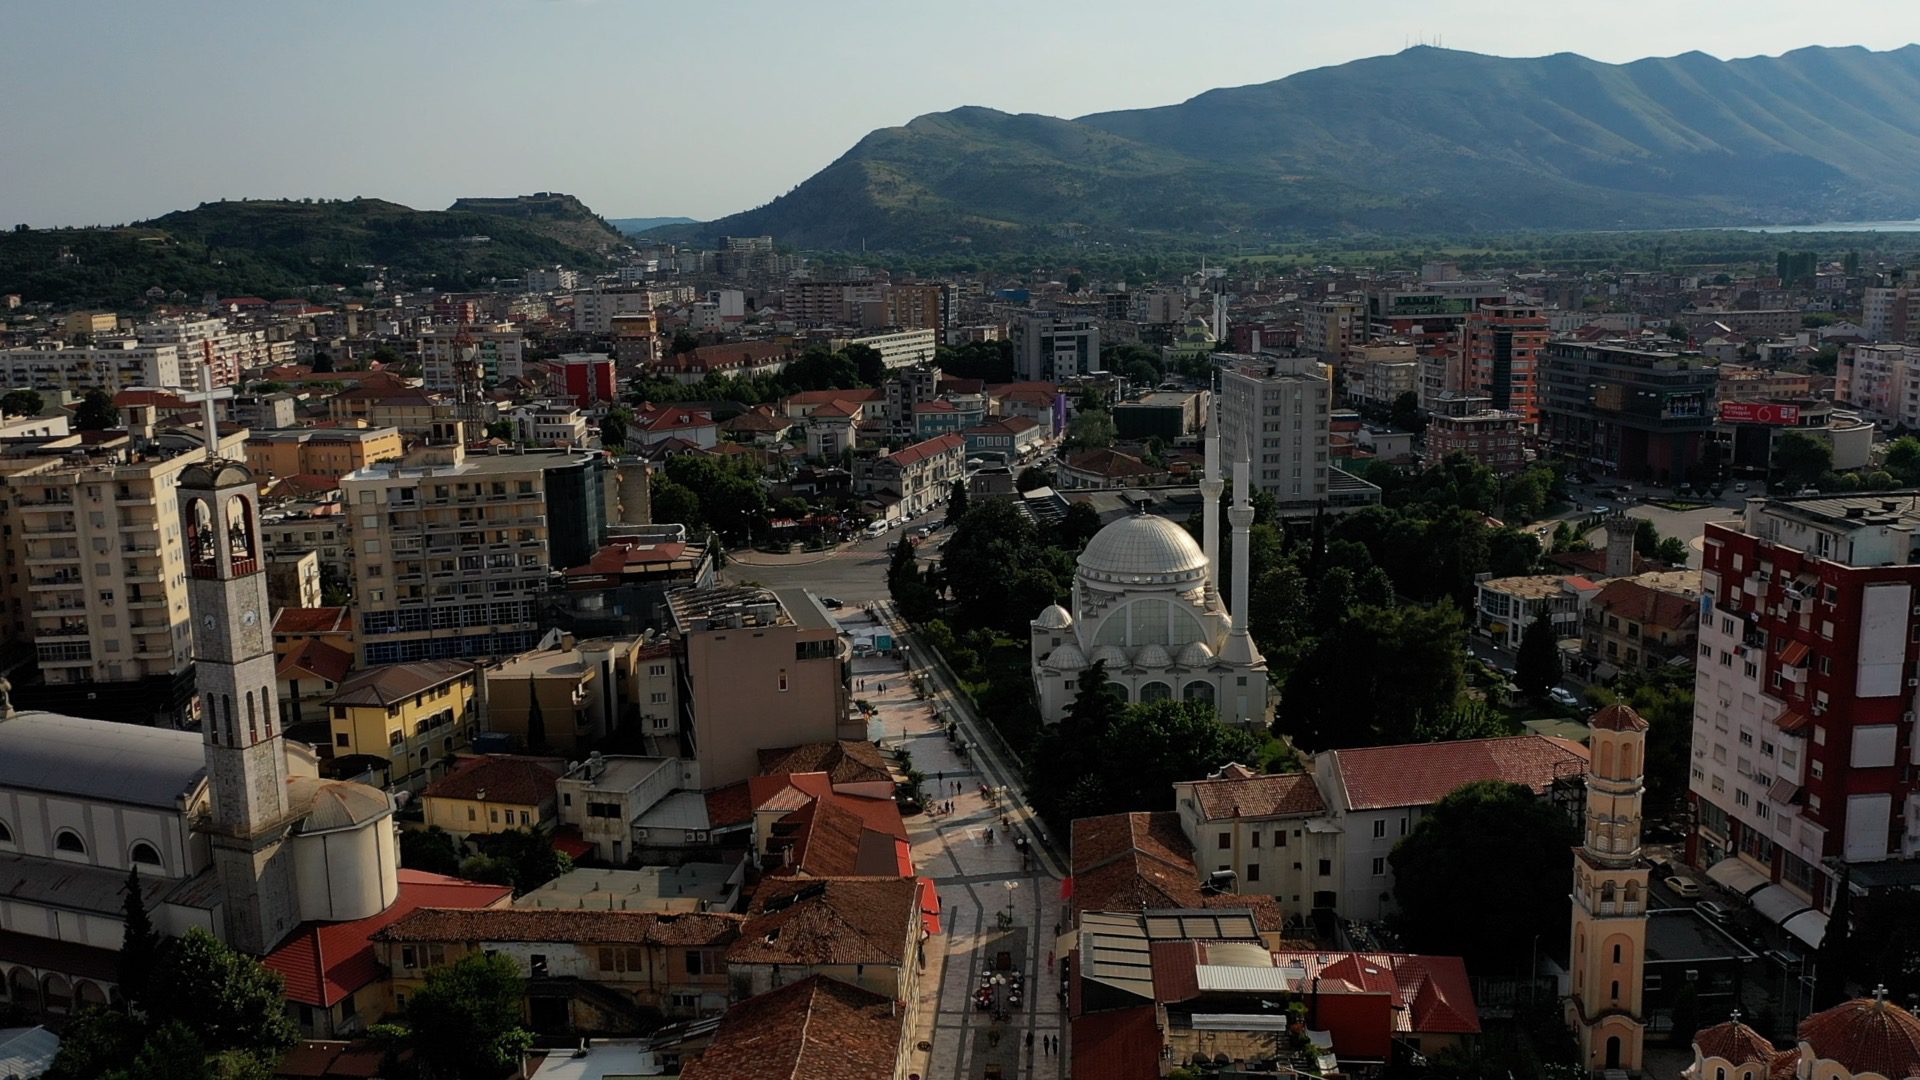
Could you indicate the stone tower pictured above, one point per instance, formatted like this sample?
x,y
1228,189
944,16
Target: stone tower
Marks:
x,y
1621,530
234,676
1606,1010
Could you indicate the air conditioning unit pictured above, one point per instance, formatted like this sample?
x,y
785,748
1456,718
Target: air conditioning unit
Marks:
x,y
1913,682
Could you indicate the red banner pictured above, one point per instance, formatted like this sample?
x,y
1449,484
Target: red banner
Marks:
x,y
1759,412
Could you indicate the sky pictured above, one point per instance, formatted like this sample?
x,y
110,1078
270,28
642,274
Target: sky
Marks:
x,y
114,112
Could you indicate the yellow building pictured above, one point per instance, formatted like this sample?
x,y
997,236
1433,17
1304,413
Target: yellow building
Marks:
x,y
1605,1009
406,720
331,452
493,793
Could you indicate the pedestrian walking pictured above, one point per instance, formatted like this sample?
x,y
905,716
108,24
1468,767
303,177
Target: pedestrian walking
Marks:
x,y
1029,1043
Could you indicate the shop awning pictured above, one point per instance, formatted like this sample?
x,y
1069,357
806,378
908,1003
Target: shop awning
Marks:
x,y
1737,876
929,906
1808,926
1794,654
1777,904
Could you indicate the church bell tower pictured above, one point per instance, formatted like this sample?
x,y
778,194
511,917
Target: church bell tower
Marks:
x,y
234,677
1606,1010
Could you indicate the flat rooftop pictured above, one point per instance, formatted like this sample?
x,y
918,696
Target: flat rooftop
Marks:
x,y
650,888
1851,511
1682,933
726,606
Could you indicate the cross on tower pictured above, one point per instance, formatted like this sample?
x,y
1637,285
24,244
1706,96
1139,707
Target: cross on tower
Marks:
x,y
207,395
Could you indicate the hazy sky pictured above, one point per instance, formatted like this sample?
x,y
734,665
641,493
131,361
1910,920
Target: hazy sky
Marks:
x,y
111,112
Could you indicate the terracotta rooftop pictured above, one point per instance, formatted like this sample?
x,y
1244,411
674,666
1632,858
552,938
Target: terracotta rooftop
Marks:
x,y
317,656
845,762
1130,862
390,684
730,805
1735,1042
1618,717
1631,599
846,920
1866,1036
499,778
815,1029
1120,1044
586,926
822,397
1246,794
920,451
313,620
1420,774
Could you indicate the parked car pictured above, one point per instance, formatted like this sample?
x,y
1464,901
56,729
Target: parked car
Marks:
x,y
1561,695
1741,488
1685,888
1597,509
831,602
1715,911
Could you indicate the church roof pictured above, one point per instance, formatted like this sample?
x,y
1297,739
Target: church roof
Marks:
x,y
1866,1035
1143,546
1735,1042
100,759
344,804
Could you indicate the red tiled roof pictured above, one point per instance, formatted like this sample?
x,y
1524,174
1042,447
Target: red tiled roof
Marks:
x,y
617,556
730,805
499,778
1434,990
1735,1042
301,484
1618,717
324,962
1127,862
594,926
1006,425
317,656
920,451
313,620
822,397
1420,774
815,1029
650,417
837,408
845,762
1111,463
1123,1044
1631,599
1865,1035
1255,795
160,399
845,920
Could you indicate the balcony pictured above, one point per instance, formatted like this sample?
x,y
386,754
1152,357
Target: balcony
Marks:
x,y
66,528
57,581
66,628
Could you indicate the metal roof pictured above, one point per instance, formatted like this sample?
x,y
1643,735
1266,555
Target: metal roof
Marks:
x,y
73,886
100,759
1244,978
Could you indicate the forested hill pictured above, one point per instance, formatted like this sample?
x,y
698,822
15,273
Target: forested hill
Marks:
x,y
1425,140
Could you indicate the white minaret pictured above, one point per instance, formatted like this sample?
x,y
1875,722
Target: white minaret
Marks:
x,y
1210,488
234,675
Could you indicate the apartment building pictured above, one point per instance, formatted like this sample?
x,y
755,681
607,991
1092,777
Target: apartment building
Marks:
x,y
211,343
549,279
1329,329
1275,413
757,670
1501,346
918,306
1804,698
918,477
408,721
1642,623
1503,608
1881,380
96,580
1431,315
1891,314
1627,409
497,351
583,378
333,452
298,527
594,312
898,348
450,549
1472,426
1052,348
549,423
832,301
111,365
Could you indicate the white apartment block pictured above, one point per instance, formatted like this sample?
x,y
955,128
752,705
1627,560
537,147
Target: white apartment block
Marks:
x,y
1050,349
224,351
549,279
498,349
902,349
1881,380
111,366
1275,413
1891,314
594,312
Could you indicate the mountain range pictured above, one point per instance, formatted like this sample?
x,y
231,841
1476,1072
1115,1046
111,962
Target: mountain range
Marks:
x,y
1426,140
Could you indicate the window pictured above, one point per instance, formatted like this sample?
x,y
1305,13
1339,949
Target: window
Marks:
x,y
145,853
1379,867
1226,841
68,840
1254,838
697,963
1326,867
341,739
1253,871
1379,829
1616,954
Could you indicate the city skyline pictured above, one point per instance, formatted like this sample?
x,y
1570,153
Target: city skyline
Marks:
x,y
165,110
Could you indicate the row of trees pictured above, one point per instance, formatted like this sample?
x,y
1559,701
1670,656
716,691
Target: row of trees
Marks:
x,y
704,492
818,368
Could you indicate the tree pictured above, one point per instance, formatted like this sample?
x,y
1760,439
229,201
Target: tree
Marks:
x,y
465,1021
911,594
229,1001
95,1044
22,403
675,504
529,858
1406,413
684,341
868,364
322,363
1091,429
1799,460
957,501
1033,477
1890,919
139,944
1324,707
1441,875
431,850
1833,958
613,429
1902,460
1672,550
500,429
96,412
1537,665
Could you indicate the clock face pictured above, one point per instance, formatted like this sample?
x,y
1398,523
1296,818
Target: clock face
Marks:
x,y
207,622
249,618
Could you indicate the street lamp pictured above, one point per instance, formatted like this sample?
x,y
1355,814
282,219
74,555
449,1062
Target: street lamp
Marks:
x,y
1011,885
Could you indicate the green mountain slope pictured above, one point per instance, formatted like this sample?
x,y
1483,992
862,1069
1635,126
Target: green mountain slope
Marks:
x,y
1426,139
277,248
634,226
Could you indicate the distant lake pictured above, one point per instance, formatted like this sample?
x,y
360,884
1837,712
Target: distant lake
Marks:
x,y
1837,226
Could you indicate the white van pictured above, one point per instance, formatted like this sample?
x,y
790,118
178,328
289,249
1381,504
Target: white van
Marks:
x,y
877,528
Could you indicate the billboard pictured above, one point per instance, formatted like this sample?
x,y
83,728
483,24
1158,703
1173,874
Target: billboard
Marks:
x,y
1758,412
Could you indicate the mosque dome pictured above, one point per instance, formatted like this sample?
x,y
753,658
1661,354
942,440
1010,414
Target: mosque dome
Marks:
x,y
1197,332
1067,657
1196,655
1054,618
1112,655
1143,549
1152,656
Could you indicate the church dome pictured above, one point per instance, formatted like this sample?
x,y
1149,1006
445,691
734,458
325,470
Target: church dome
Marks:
x,y
1196,655
1143,549
343,804
1152,656
1054,618
1866,1035
1067,657
1112,655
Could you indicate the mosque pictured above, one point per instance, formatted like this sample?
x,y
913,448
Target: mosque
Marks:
x,y
1147,604
231,828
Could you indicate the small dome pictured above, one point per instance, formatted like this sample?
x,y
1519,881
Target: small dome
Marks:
x,y
1196,655
1866,1035
1152,656
1143,548
343,804
1736,1043
1618,717
1112,655
1067,657
218,473
1054,618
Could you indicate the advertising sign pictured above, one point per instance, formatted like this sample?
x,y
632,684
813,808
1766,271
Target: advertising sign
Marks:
x,y
1759,412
